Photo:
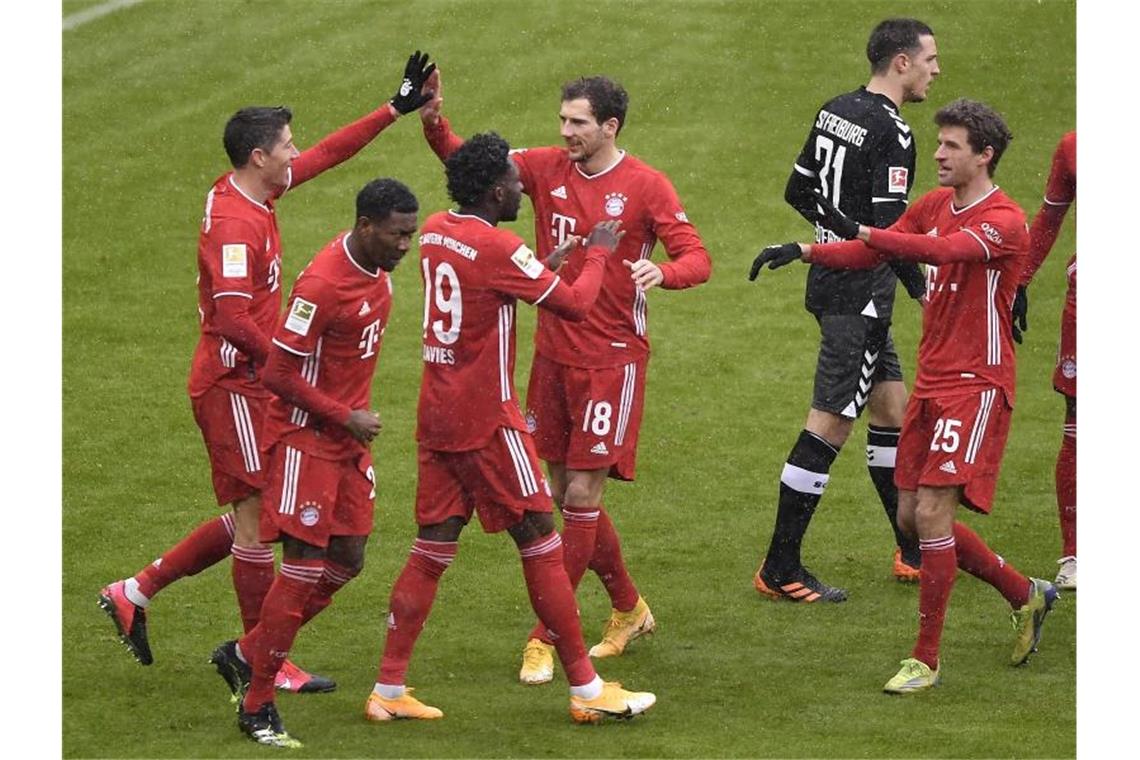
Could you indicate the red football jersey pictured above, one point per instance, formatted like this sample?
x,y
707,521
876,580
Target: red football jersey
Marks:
x,y
568,202
337,315
1060,193
473,274
239,255
967,332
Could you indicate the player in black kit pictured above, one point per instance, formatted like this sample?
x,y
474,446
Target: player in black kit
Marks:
x,y
859,154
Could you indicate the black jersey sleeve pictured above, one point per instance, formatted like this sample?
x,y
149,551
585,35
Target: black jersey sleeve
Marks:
x,y
892,170
799,192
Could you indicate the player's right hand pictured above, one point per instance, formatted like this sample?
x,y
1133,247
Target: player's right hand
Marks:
x,y
606,234
410,95
559,254
433,109
1020,312
775,256
363,425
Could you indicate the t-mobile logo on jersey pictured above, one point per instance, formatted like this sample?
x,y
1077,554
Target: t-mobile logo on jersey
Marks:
x,y
562,227
369,337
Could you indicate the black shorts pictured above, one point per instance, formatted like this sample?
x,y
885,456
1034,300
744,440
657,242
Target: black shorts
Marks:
x,y
855,352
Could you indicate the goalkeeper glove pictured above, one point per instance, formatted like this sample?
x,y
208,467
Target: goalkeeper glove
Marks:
x,y
775,256
835,220
409,96
1020,312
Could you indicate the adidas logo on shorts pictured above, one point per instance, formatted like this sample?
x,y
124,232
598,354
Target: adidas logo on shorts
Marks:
x,y
600,448
949,467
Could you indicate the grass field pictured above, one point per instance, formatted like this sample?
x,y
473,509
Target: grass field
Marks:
x,y
721,96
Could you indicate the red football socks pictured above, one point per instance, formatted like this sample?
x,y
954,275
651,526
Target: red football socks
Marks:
x,y
607,562
252,574
553,601
936,580
332,581
206,545
1066,476
579,531
267,645
980,561
409,605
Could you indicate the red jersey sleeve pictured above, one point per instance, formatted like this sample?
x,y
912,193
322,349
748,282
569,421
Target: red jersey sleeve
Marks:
x,y
689,263
229,257
991,235
441,139
525,277
340,145
1060,192
235,323
312,307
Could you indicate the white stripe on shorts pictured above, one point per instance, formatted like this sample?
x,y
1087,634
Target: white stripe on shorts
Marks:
x,y
527,483
247,438
979,431
628,387
288,503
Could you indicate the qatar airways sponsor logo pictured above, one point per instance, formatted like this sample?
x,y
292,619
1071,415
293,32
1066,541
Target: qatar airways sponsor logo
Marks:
x,y
991,233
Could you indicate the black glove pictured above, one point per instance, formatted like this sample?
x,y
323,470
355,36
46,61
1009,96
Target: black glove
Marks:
x,y
1020,311
835,220
911,276
408,97
775,256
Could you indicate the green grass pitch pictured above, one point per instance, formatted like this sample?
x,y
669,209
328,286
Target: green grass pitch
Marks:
x,y
721,96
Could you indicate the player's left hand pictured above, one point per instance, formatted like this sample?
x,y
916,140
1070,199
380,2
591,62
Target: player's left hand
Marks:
x,y
558,256
645,273
834,219
1020,313
775,256
410,95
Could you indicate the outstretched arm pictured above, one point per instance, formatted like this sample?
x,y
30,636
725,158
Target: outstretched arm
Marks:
x,y
346,142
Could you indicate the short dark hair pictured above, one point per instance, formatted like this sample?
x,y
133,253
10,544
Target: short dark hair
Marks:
x,y
381,197
891,37
476,167
984,126
253,127
608,99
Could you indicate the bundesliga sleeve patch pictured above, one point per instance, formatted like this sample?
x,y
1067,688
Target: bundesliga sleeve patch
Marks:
x,y
897,177
301,315
234,260
525,260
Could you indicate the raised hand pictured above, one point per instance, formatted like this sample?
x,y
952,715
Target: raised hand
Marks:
x,y
410,95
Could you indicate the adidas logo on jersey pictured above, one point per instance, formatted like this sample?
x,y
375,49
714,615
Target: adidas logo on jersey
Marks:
x,y
364,309
559,192
600,448
949,468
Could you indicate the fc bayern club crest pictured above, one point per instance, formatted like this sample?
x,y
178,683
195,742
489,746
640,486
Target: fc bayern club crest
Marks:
x,y
1069,369
615,203
310,514
531,422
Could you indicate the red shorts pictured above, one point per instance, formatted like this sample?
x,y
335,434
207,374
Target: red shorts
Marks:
x,y
1065,375
587,419
499,482
312,499
231,428
954,441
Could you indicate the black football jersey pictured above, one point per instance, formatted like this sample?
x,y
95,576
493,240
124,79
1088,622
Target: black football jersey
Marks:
x,y
859,153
